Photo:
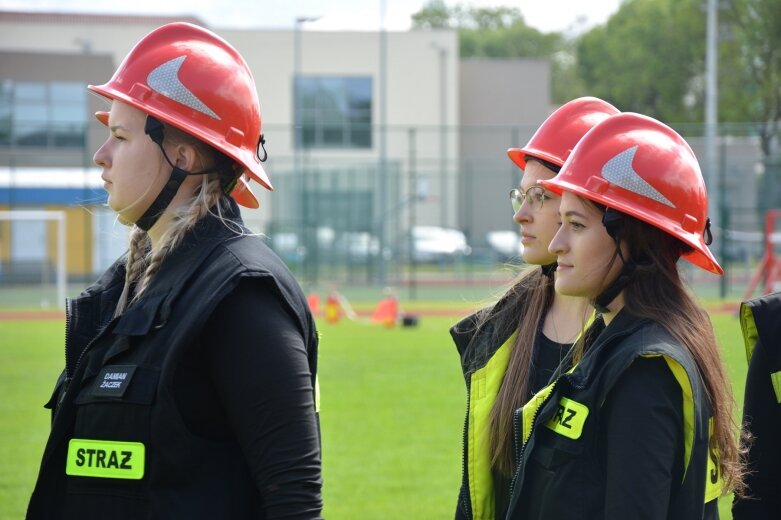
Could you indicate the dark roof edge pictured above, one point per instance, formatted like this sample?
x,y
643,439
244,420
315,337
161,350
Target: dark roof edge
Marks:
x,y
96,18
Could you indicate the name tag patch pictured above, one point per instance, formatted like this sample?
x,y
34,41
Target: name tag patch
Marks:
x,y
105,459
569,418
112,381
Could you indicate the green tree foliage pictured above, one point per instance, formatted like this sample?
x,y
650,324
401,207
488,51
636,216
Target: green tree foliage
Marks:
x,y
434,15
505,35
754,93
648,58
490,32
501,32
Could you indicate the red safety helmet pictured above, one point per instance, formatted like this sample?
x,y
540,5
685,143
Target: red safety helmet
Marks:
x,y
557,136
191,78
643,168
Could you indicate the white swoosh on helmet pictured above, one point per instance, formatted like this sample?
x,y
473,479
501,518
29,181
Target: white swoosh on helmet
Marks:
x,y
620,172
164,80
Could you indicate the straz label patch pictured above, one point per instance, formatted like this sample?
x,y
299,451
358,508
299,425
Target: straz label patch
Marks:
x,y
105,459
569,418
113,381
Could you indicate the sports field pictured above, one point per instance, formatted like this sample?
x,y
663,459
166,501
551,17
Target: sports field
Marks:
x,y
392,409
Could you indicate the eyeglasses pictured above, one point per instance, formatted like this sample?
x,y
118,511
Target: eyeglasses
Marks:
x,y
534,197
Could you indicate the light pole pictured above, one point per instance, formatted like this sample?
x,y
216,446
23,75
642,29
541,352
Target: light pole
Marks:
x,y
442,51
383,144
711,130
711,97
298,135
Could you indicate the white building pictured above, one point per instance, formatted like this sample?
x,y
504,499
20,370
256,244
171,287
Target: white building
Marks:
x,y
384,125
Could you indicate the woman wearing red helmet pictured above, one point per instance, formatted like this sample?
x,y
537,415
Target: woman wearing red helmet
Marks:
x,y
642,425
190,365
510,350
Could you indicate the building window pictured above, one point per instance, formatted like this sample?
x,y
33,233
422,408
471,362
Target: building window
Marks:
x,y
42,114
333,112
5,112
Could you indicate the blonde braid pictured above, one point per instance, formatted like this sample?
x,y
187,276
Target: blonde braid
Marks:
x,y
208,194
143,263
135,265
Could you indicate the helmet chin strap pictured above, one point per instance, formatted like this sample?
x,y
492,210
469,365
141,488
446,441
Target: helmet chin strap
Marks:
x,y
623,279
154,129
612,221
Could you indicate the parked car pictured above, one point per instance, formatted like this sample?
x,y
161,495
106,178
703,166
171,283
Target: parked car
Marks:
x,y
288,247
437,244
504,246
357,246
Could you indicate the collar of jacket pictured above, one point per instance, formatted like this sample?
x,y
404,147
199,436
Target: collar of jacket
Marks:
x,y
477,345
620,329
154,308
759,321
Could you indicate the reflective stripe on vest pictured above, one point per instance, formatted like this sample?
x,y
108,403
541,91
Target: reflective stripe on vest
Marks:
x,y
105,459
750,337
574,415
688,408
775,378
317,393
484,387
714,480
529,410
714,483
749,328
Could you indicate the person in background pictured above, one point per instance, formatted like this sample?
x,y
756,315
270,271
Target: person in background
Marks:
x,y
642,425
762,409
190,365
510,350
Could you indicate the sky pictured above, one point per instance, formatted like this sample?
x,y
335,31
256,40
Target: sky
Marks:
x,y
571,16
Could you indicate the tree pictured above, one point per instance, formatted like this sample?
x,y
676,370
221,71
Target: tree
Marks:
x,y
434,15
648,58
501,32
756,27
493,32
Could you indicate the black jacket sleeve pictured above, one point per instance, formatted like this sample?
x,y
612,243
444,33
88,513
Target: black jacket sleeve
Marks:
x,y
762,417
262,379
642,434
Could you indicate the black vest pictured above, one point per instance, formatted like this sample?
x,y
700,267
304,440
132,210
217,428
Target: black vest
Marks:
x,y
117,386
563,439
759,321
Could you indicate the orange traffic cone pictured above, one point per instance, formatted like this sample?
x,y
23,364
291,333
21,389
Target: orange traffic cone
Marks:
x,y
314,303
387,312
333,308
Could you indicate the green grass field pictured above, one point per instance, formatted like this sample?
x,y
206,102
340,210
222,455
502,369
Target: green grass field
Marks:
x,y
392,408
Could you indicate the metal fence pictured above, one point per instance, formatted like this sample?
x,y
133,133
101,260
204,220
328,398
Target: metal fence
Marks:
x,y
350,219
353,218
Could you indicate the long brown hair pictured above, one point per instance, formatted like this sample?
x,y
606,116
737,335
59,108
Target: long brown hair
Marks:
x,y
522,309
527,302
659,293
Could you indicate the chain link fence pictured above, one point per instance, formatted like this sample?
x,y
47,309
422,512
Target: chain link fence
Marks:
x,y
428,215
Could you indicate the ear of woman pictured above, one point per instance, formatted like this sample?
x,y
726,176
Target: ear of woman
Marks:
x,y
185,157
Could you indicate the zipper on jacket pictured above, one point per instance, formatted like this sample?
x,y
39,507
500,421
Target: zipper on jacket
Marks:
x,y
519,417
70,371
465,480
69,310
518,431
